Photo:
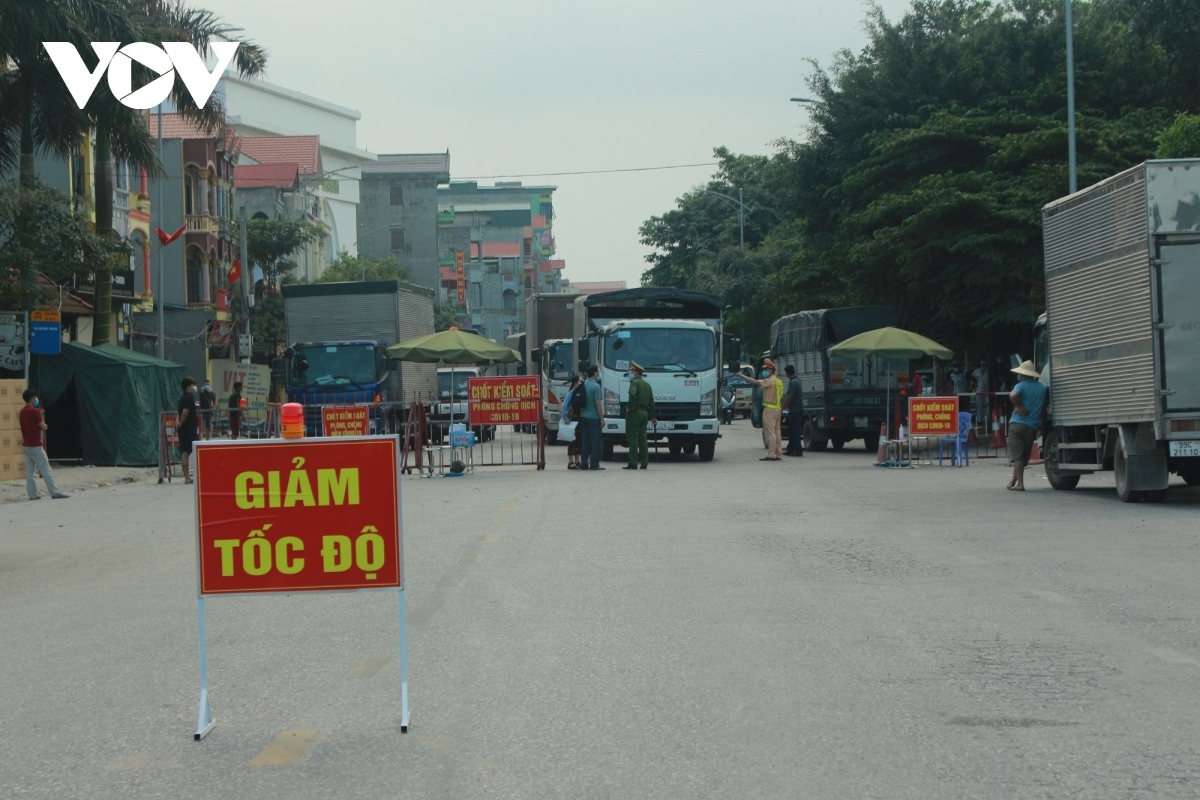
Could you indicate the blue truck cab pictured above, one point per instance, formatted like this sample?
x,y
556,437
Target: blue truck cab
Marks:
x,y
338,373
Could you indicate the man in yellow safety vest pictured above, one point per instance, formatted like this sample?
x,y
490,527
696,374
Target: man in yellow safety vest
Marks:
x,y
772,402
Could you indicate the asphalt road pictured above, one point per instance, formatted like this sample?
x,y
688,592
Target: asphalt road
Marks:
x,y
810,628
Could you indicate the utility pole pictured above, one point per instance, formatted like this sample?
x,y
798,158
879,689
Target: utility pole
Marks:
x,y
247,283
741,207
157,292
1071,156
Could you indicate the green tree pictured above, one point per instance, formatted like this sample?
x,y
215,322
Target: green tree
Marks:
x,y
1181,139
356,268
58,244
271,245
444,319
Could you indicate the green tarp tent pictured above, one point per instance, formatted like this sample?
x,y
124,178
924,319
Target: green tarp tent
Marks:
x,y
107,397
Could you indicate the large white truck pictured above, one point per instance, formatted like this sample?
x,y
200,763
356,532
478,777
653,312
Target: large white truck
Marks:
x,y
1119,344
677,336
549,351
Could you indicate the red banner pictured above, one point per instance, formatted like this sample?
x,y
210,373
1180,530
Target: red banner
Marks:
x,y
933,416
297,516
344,421
461,273
505,400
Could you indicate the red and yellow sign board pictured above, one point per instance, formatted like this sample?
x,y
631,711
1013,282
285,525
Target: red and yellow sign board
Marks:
x,y
505,400
45,316
344,421
298,516
460,273
170,428
933,416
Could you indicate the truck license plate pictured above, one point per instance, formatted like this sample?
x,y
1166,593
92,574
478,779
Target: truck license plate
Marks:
x,y
1185,449
861,422
662,426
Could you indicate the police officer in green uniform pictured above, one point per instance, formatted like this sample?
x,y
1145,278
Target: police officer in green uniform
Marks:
x,y
640,411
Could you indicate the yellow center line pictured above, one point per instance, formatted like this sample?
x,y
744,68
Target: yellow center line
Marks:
x,y
479,558
491,537
367,668
286,748
506,509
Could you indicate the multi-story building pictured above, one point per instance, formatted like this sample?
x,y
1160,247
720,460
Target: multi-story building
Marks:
x,y
398,214
257,108
505,235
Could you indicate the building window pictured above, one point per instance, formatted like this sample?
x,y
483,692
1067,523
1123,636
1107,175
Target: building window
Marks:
x,y
510,302
397,198
397,239
195,277
122,175
189,195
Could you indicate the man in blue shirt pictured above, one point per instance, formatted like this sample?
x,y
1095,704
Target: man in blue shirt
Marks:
x,y
589,423
1029,405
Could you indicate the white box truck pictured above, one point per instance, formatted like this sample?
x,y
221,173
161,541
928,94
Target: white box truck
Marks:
x,y
1119,345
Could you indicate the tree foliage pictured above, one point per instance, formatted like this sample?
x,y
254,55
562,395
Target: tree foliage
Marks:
x,y
40,234
927,160
271,245
356,268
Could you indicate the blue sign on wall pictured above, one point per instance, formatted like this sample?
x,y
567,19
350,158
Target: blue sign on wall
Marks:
x,y
45,338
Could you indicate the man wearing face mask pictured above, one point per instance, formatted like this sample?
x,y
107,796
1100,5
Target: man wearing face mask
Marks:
x,y
32,425
189,431
772,409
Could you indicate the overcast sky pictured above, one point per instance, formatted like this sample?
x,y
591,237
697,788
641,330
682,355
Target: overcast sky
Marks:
x,y
518,87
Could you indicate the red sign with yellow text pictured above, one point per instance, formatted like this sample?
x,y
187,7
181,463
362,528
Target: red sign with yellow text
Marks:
x,y
460,274
933,416
506,400
344,421
298,516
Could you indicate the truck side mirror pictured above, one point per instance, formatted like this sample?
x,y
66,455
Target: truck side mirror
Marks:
x,y
735,352
585,350
535,355
584,366
393,365
735,366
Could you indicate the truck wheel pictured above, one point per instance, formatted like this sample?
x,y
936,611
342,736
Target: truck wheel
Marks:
x,y
1058,480
807,435
689,449
838,443
871,442
1121,471
707,449
675,450
1190,476
606,451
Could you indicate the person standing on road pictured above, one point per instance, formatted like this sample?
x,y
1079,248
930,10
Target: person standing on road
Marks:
x,y
793,401
189,430
235,411
1029,406
772,401
567,413
641,412
208,408
32,443
589,422
983,397
958,379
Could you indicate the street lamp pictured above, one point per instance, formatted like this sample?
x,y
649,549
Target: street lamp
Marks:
x,y
742,210
304,201
361,259
1071,158
808,100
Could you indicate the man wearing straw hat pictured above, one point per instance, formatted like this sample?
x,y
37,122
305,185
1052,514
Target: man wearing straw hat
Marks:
x,y
1029,405
640,411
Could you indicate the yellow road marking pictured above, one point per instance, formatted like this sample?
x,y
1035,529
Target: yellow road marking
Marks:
x,y
506,509
491,537
286,748
479,558
367,668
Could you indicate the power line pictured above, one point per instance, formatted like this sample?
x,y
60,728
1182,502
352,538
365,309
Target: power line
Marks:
x,y
585,172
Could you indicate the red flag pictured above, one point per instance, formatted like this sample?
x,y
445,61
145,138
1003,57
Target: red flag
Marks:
x,y
235,272
165,238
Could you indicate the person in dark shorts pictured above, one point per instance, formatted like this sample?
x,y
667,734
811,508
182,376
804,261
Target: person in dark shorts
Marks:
x,y
208,409
189,429
1029,406
235,411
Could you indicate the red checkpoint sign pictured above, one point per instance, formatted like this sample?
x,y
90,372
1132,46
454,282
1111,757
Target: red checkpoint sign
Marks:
x,y
505,400
933,416
311,515
344,421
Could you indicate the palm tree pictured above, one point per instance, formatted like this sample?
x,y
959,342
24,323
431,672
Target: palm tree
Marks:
x,y
159,21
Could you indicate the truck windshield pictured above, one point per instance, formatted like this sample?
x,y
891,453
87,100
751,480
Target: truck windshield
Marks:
x,y
460,384
661,349
334,365
558,361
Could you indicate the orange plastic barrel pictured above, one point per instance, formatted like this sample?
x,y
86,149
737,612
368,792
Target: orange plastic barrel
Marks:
x,y
291,419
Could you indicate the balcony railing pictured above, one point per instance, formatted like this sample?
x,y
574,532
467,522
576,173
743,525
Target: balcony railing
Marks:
x,y
199,223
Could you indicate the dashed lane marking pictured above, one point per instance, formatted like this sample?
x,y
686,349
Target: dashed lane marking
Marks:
x,y
367,668
286,748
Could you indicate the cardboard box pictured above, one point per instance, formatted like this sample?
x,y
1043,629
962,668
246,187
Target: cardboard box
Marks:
x,y
10,419
10,443
13,466
11,391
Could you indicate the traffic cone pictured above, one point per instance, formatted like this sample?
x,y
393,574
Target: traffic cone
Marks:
x,y
997,437
972,439
1035,454
881,455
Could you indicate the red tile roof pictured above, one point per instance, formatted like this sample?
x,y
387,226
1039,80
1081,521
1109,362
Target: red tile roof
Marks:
x,y
177,126
449,275
256,176
303,151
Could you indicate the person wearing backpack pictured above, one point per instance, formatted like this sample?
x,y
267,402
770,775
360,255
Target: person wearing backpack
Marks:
x,y
570,413
590,416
